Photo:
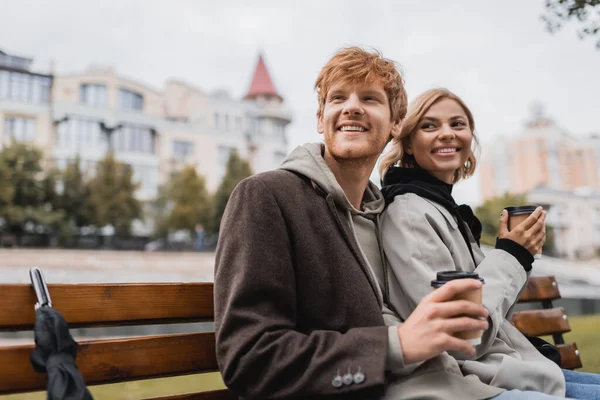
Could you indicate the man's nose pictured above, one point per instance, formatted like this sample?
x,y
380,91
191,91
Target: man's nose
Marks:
x,y
353,106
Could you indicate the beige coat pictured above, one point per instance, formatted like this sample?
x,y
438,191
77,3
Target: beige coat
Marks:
x,y
421,238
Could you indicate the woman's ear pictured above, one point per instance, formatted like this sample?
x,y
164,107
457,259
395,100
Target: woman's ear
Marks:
x,y
408,147
396,129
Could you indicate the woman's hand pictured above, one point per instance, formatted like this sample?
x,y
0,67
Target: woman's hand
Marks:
x,y
428,331
531,233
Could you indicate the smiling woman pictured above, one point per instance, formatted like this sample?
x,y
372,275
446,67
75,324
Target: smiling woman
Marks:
x,y
425,232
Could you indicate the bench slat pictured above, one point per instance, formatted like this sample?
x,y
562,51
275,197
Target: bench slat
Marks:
x,y
540,288
541,322
569,356
110,304
212,395
117,360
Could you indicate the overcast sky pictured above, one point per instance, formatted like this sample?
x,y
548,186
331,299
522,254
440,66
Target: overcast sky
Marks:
x,y
496,55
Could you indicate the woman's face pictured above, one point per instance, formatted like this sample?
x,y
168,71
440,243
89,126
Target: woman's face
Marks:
x,y
442,142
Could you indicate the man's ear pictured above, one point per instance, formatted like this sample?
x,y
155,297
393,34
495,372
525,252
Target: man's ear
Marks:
x,y
320,125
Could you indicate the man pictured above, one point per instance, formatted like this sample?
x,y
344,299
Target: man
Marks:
x,y
299,268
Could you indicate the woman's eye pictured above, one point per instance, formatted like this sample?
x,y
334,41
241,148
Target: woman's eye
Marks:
x,y
459,123
427,125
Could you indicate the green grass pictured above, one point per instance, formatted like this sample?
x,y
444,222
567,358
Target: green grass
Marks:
x,y
585,332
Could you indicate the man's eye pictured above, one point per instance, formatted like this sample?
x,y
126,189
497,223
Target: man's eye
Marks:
x,y
336,97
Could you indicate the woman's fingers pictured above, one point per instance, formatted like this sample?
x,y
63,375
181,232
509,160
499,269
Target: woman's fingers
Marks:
x,y
532,219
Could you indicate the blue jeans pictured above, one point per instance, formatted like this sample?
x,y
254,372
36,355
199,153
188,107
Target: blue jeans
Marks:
x,y
582,385
521,395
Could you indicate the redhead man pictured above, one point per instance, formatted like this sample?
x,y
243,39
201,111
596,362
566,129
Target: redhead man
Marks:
x,y
297,295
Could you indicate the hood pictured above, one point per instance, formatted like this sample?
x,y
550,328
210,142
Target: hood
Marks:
x,y
308,161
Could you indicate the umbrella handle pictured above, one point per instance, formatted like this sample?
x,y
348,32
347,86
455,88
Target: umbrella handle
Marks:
x,y
40,287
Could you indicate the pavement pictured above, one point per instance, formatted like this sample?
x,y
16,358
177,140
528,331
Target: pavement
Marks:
x,y
96,266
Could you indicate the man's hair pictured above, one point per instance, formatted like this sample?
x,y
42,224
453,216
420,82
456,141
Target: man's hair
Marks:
x,y
354,65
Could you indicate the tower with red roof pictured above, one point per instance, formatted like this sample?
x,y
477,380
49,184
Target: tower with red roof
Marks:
x,y
262,85
267,140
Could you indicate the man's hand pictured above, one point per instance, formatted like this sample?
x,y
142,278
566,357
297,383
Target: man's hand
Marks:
x,y
429,330
530,233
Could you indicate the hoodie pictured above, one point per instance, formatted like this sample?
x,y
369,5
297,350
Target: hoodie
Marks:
x,y
308,161
364,223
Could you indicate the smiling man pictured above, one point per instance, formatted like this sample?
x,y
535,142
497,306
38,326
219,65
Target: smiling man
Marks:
x,y
299,267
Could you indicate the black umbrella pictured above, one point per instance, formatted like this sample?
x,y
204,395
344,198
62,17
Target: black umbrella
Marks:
x,y
55,350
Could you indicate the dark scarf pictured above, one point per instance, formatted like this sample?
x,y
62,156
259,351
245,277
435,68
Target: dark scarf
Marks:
x,y
400,180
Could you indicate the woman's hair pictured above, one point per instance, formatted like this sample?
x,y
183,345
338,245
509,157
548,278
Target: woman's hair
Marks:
x,y
354,65
416,111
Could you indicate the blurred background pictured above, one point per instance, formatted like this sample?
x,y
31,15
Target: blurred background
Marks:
x,y
124,126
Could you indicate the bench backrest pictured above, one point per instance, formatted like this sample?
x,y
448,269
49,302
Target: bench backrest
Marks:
x,y
548,320
141,357
115,360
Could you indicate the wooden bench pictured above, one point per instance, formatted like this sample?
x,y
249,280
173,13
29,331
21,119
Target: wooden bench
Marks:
x,y
123,359
142,357
548,320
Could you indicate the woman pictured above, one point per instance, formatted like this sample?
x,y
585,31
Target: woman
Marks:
x,y
424,231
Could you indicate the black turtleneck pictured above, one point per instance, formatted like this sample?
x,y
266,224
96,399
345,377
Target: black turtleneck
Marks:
x,y
400,180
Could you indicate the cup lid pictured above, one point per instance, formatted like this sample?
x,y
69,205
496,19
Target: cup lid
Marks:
x,y
520,210
447,276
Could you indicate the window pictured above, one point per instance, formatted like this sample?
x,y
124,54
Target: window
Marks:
x,y
182,150
133,139
129,100
92,94
238,124
19,129
223,156
24,87
78,134
217,120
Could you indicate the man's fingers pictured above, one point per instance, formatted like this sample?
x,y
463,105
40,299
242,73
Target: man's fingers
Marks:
x,y
457,308
464,324
451,289
452,343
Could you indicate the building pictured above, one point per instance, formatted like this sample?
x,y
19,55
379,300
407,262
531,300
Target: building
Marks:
x,y
25,102
154,131
575,219
555,169
543,154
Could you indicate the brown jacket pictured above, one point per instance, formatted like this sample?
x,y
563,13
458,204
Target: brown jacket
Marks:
x,y
295,304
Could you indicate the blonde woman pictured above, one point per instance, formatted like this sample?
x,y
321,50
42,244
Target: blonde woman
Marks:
x,y
424,231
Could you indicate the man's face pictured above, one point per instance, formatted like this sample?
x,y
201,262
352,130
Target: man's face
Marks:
x,y
356,121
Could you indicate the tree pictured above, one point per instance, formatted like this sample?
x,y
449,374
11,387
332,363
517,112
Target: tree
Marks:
x,y
75,195
186,202
27,194
111,196
489,215
587,12
237,170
